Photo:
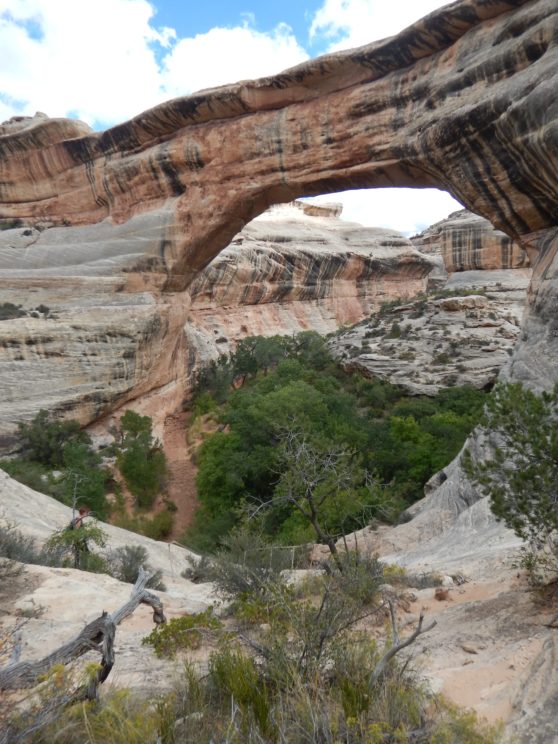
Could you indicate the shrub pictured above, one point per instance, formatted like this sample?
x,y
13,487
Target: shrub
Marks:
x,y
16,546
200,570
441,358
243,565
156,527
10,223
307,676
520,474
34,475
124,564
61,446
181,633
8,311
335,410
44,439
395,330
70,547
141,460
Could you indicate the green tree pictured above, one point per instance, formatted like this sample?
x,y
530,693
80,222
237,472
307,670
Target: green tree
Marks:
x,y
86,476
403,441
319,482
134,427
141,459
520,475
71,546
44,439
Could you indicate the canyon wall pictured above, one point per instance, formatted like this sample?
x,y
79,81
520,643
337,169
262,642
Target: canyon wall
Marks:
x,y
102,336
298,268
126,219
468,242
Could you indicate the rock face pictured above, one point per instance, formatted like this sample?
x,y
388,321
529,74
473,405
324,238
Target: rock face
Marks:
x,y
468,242
95,344
458,100
126,219
433,343
464,339
296,268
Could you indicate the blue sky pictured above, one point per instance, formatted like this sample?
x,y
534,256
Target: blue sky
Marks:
x,y
190,18
104,61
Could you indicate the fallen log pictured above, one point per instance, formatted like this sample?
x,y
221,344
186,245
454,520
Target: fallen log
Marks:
x,y
97,635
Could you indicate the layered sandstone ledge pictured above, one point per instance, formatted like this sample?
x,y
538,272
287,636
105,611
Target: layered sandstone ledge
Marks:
x,y
468,242
431,344
460,100
125,219
296,268
100,345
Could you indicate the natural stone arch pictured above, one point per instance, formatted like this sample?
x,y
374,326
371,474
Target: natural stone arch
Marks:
x,y
463,100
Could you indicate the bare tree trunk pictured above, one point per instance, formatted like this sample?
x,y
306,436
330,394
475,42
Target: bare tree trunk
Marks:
x,y
326,539
98,635
398,645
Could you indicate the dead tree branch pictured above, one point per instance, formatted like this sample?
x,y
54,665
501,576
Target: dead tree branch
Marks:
x,y
397,647
97,635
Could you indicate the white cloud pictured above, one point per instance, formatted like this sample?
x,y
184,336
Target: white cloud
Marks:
x,y
95,60
227,55
105,62
350,23
406,210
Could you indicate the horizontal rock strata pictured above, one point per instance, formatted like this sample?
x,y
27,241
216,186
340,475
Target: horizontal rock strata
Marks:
x,y
295,269
96,344
432,343
459,100
468,242
462,100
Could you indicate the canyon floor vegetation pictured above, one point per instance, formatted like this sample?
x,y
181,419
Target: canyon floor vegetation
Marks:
x,y
387,444
58,458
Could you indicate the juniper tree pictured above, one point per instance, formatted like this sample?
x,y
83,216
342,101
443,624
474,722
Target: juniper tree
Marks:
x,y
521,472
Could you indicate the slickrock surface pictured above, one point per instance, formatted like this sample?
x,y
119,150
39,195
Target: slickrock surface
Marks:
x,y
490,649
432,343
463,99
68,599
39,516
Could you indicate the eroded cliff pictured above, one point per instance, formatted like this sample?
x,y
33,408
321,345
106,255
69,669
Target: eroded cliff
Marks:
x,y
468,242
465,333
462,100
104,336
465,100
298,268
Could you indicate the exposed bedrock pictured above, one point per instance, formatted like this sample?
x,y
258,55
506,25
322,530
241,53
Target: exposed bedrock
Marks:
x,y
94,345
464,100
468,242
293,269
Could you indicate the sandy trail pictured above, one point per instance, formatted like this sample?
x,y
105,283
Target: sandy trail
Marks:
x,y
182,472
